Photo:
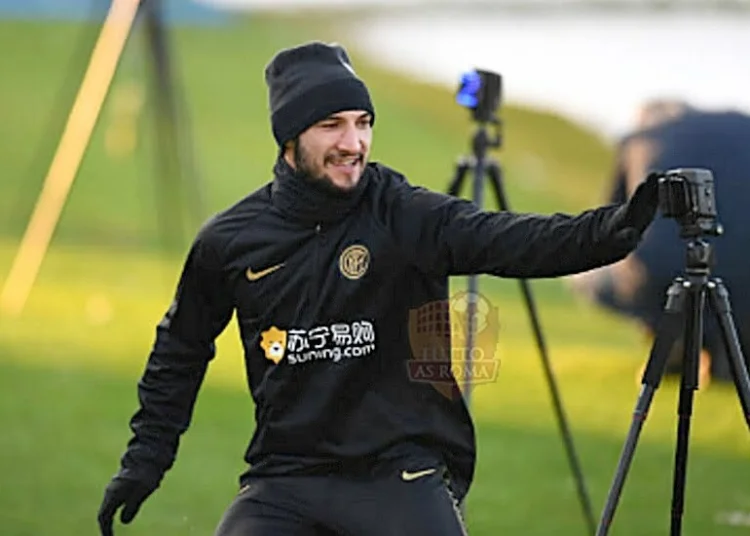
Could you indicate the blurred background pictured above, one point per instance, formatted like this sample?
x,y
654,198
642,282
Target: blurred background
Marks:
x,y
183,131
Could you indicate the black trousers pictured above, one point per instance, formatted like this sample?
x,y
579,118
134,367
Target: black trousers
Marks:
x,y
413,501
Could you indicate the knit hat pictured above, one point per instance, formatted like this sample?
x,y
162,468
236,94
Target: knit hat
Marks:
x,y
309,82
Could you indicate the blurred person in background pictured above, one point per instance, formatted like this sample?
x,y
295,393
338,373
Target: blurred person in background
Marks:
x,y
672,134
323,266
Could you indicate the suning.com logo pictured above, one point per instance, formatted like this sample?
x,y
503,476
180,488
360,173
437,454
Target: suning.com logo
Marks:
x,y
334,342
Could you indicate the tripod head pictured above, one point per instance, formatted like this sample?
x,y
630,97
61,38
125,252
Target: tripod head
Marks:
x,y
481,91
687,195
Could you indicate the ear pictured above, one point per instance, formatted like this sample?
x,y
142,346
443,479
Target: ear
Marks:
x,y
288,152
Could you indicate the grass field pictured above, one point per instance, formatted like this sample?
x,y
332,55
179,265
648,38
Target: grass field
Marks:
x,y
69,363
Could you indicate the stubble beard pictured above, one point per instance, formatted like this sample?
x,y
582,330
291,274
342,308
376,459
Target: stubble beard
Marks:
x,y
306,169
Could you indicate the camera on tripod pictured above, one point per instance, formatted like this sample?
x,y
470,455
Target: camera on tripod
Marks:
x,y
480,91
687,195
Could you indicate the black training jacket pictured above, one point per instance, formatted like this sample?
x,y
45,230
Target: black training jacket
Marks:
x,y
323,286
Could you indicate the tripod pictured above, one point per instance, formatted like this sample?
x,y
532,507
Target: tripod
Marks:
x,y
482,166
173,149
684,306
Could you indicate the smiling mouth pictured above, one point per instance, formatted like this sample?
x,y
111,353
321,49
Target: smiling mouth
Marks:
x,y
345,163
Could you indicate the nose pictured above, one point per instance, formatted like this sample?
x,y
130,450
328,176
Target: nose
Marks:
x,y
350,140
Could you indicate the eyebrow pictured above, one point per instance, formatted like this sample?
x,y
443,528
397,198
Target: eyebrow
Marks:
x,y
364,115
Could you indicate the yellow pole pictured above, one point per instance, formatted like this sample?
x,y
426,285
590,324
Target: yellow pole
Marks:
x,y
70,151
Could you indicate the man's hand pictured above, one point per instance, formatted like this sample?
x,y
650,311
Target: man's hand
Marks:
x,y
634,217
128,493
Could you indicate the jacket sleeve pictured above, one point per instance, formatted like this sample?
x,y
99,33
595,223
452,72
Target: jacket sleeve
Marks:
x,y
445,235
177,363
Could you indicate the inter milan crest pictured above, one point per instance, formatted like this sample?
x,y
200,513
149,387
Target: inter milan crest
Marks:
x,y
354,261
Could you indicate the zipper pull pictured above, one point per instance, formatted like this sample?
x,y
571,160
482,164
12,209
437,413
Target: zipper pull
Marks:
x,y
317,228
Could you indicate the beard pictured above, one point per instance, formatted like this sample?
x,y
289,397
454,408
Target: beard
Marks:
x,y
308,171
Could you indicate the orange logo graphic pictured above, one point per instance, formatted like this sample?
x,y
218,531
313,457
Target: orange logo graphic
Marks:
x,y
273,343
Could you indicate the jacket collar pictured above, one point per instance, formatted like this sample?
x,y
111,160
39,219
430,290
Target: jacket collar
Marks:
x,y
302,199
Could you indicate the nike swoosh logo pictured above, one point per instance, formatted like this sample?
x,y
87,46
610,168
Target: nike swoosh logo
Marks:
x,y
254,276
408,476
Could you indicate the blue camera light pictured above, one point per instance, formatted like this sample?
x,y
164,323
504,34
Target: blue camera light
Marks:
x,y
468,93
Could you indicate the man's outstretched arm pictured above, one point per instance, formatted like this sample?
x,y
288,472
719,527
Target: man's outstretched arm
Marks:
x,y
168,388
451,236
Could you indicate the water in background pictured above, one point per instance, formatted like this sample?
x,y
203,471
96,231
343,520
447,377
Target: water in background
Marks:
x,y
595,67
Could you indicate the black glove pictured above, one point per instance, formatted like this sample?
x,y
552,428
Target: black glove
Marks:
x,y
632,219
127,492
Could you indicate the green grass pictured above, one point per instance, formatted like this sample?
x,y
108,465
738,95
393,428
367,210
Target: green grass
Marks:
x,y
69,364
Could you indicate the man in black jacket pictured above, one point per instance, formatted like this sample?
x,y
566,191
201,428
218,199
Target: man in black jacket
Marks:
x,y
323,266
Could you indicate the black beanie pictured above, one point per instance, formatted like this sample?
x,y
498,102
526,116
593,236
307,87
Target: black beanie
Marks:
x,y
308,83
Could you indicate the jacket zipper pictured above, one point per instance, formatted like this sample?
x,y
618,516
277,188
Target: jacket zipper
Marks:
x,y
311,293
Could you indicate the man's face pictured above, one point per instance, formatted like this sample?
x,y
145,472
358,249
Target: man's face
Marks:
x,y
335,150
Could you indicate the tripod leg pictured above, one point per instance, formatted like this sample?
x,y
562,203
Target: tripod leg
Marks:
x,y
178,187
689,384
462,168
478,166
496,181
495,174
719,297
666,336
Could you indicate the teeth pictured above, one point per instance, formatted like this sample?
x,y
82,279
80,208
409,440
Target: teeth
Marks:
x,y
349,162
